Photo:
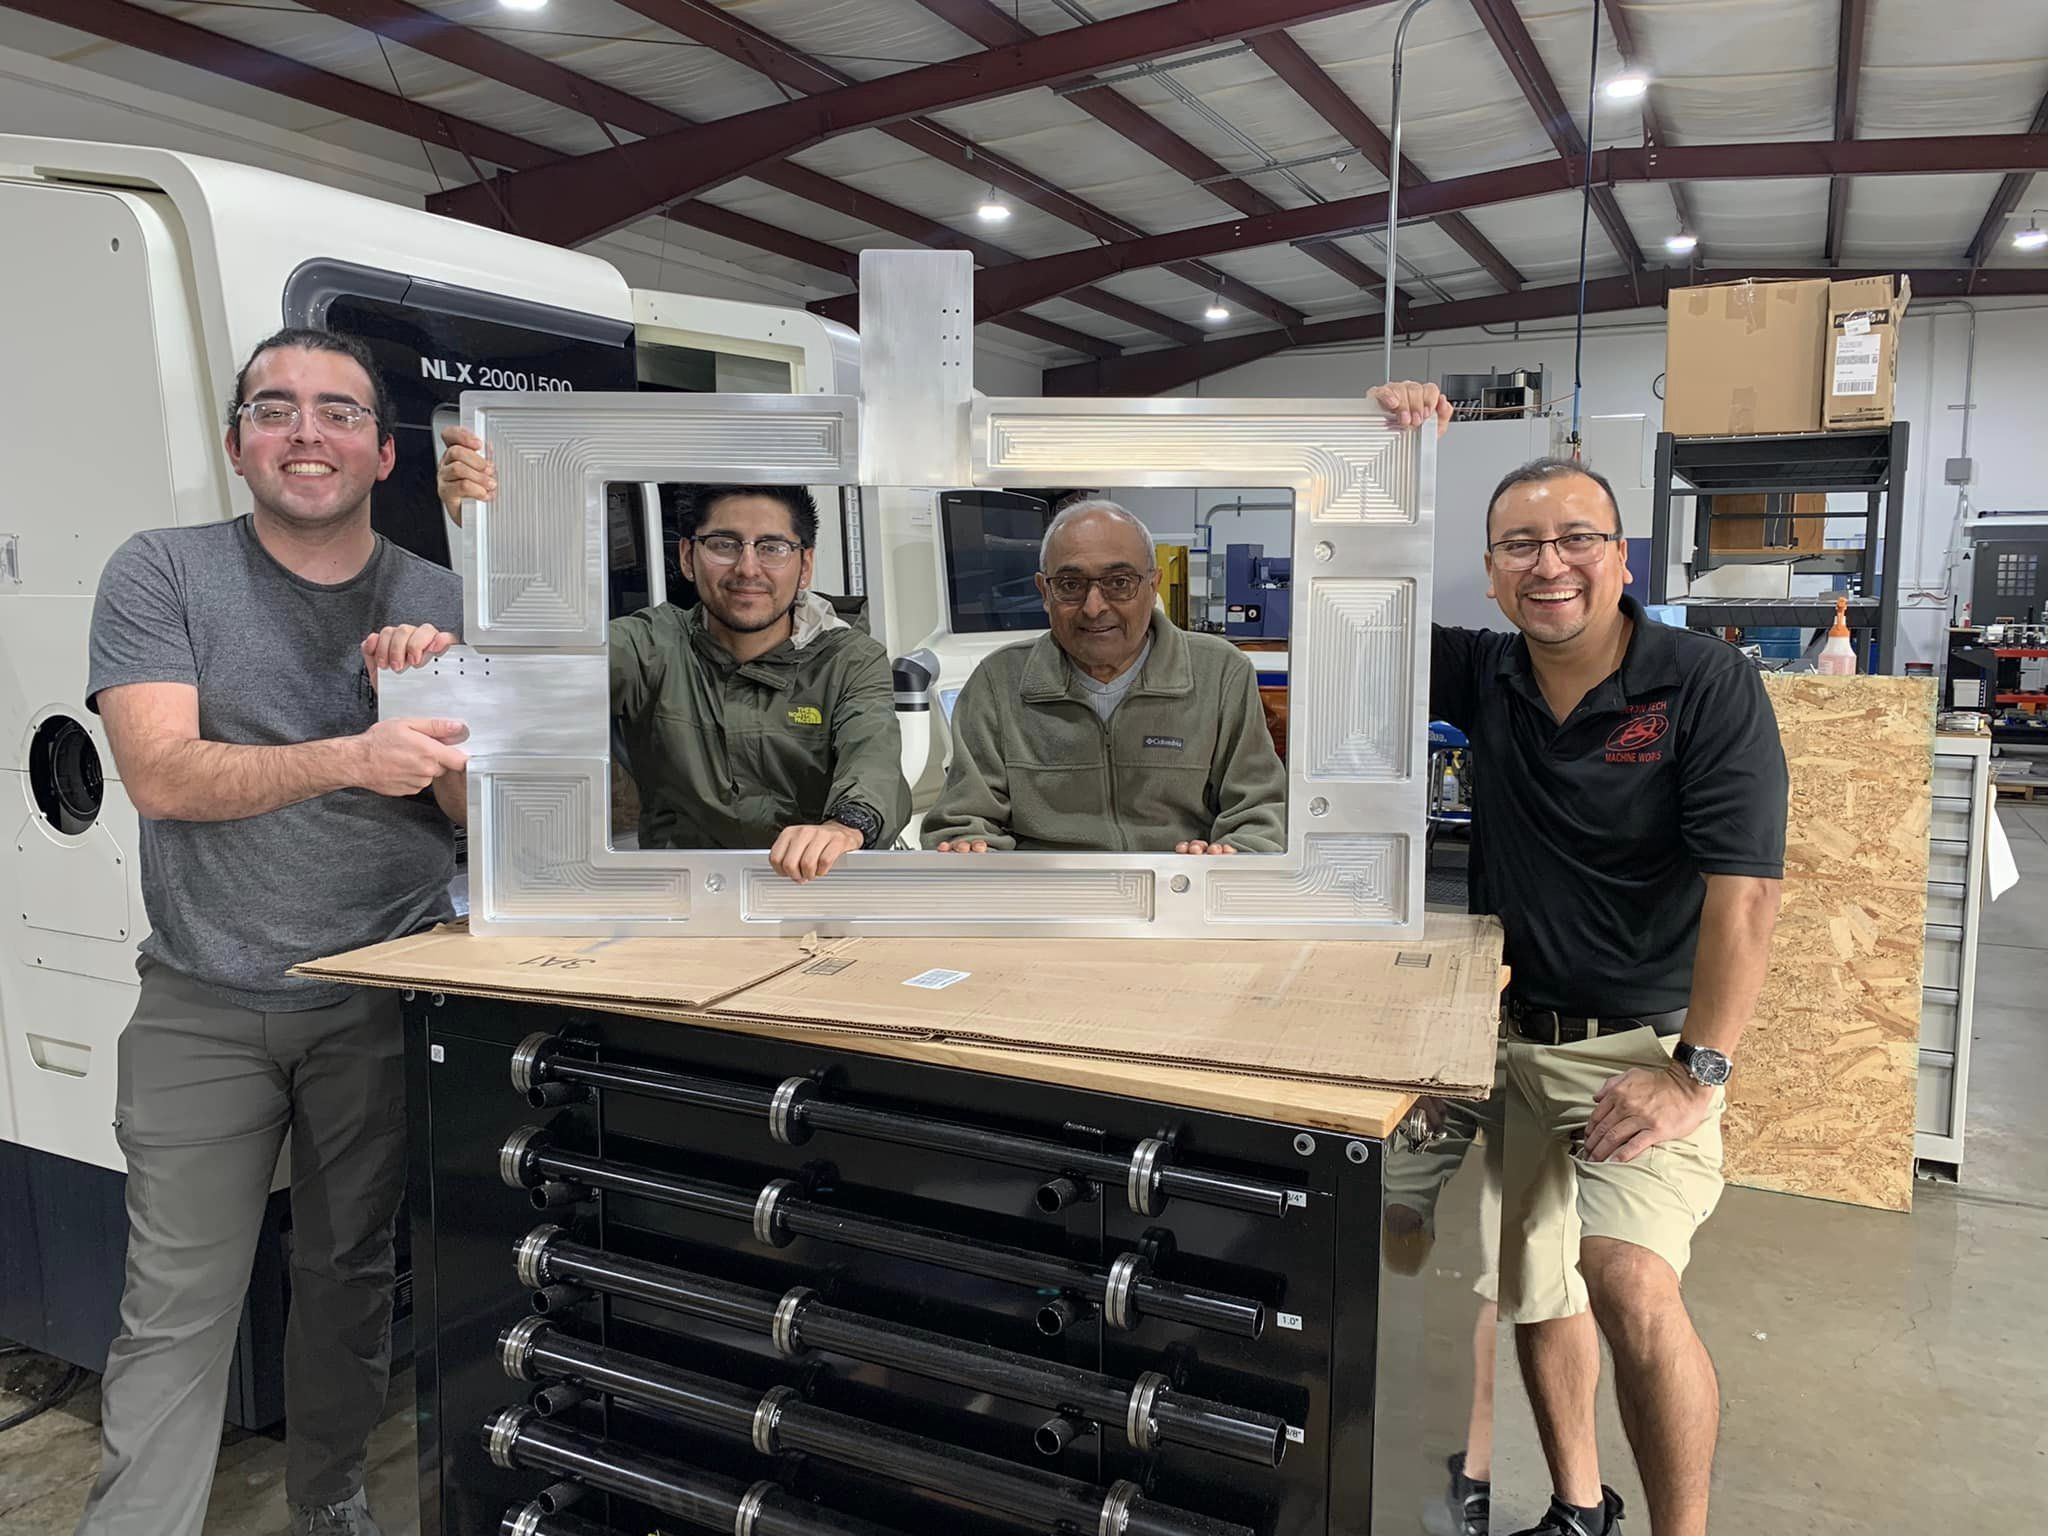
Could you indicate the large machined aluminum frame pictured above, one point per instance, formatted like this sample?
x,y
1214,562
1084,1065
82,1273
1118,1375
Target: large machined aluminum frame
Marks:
x,y
532,680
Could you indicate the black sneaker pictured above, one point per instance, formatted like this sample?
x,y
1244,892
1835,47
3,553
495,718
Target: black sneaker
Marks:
x,y
1465,1507
1563,1520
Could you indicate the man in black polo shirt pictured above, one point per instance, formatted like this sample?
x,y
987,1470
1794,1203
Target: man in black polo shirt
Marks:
x,y
1629,831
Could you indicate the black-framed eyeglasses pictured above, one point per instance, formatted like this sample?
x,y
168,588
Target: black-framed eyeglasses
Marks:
x,y
726,549
1572,549
284,416
1071,588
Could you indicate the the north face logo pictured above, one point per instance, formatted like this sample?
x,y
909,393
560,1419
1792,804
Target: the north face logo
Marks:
x,y
807,714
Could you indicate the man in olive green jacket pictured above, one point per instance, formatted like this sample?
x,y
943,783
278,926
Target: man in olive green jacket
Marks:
x,y
731,754
1116,732
759,718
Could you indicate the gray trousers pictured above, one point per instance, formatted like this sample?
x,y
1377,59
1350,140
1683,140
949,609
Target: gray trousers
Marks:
x,y
207,1093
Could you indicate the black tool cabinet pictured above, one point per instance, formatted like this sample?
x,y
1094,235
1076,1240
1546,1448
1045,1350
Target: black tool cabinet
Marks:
x,y
640,1308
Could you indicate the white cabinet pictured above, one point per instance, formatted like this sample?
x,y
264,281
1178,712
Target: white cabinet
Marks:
x,y
1955,899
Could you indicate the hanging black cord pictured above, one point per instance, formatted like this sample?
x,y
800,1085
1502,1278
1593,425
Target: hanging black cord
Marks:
x,y
1585,230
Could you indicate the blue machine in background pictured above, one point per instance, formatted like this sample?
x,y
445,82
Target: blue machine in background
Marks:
x,y
1450,788
1256,592
1450,777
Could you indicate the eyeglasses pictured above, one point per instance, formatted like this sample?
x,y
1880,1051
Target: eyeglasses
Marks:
x,y
1572,549
283,416
1118,586
724,549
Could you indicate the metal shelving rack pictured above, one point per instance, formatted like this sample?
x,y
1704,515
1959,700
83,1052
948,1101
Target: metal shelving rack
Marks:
x,y
1873,463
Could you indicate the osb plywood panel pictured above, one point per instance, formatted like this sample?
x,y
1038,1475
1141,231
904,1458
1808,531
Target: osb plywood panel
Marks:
x,y
1822,1098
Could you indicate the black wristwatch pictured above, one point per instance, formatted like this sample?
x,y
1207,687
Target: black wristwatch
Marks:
x,y
1708,1068
850,813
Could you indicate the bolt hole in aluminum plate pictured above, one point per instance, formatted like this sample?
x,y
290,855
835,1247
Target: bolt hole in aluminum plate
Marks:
x,y
535,566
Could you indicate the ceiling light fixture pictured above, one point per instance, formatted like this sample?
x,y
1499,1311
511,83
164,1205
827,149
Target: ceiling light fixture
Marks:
x,y
1684,243
1628,87
523,5
1216,314
2032,238
993,209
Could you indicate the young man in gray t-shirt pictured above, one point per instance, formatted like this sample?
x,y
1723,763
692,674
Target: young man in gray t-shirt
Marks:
x,y
281,821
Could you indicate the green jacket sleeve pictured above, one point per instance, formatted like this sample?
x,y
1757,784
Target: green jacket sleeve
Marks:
x,y
867,745
1251,814
636,666
975,804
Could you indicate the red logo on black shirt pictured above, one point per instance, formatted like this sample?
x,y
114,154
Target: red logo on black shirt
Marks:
x,y
1634,735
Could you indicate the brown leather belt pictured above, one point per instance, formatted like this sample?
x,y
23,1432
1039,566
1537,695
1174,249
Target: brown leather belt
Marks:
x,y
1545,1026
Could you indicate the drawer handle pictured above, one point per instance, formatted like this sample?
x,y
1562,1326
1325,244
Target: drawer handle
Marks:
x,y
64,1057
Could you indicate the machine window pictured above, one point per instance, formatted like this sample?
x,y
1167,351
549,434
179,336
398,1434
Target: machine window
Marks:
x,y
428,357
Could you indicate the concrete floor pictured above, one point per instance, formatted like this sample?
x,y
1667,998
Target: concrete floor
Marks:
x,y
1879,1372
47,1465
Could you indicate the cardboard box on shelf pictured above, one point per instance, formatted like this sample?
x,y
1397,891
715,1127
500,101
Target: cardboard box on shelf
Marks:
x,y
1863,351
1748,525
1745,358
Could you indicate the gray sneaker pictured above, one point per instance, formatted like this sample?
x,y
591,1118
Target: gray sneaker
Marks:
x,y
348,1518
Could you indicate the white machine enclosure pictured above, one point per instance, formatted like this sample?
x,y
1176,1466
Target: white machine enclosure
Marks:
x,y
133,284
541,855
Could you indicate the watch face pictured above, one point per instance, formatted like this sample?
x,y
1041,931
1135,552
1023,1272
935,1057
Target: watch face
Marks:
x,y
860,819
1709,1067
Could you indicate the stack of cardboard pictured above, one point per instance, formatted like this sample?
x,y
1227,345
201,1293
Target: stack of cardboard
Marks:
x,y
1413,1013
1803,355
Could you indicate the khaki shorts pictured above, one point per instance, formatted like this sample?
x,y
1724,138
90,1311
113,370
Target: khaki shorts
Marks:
x,y
1416,1177
1550,1199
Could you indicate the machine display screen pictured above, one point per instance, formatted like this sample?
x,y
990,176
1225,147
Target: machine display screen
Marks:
x,y
428,358
991,543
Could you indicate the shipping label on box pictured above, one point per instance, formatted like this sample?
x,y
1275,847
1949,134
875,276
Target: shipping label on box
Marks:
x,y
1853,367
1863,351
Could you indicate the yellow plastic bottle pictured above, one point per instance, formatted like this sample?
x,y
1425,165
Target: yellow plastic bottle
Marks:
x,y
1838,657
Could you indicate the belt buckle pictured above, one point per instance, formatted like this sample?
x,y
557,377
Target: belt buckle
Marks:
x,y
1549,1032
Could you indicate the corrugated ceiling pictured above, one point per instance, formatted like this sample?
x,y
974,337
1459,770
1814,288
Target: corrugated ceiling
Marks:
x,y
1725,71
